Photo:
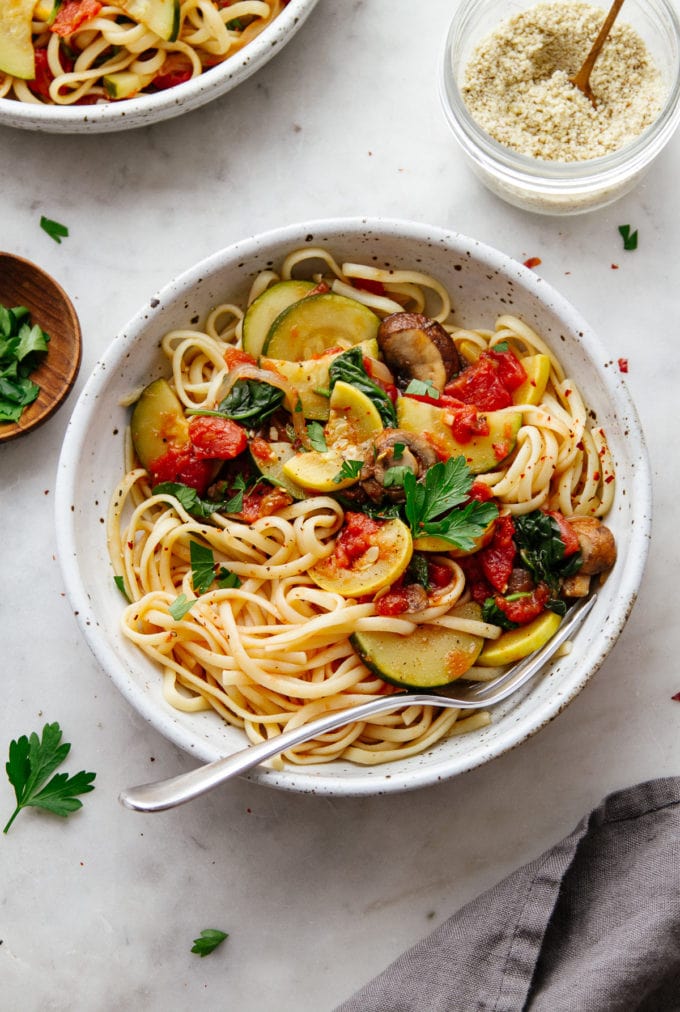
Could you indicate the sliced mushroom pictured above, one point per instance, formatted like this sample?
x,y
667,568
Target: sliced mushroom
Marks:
x,y
394,448
416,347
577,585
598,554
597,544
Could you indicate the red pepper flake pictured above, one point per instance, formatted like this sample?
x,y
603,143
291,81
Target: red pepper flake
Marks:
x,y
609,479
533,262
623,365
676,697
615,267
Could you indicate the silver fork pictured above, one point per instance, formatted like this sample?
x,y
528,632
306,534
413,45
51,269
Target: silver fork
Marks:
x,y
156,797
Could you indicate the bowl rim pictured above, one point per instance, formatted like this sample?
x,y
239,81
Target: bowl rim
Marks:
x,y
359,781
553,177
146,109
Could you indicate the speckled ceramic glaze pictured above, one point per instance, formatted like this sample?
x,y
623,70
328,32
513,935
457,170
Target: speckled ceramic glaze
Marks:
x,y
147,109
483,283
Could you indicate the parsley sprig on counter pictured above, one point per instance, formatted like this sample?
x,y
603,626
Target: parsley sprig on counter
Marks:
x,y
32,761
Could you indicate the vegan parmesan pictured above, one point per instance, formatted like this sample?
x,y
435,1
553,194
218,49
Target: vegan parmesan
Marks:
x,y
517,84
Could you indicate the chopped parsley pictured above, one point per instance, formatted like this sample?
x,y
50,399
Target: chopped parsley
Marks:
x,y
208,941
54,229
349,469
630,239
23,346
422,388
181,606
317,439
205,571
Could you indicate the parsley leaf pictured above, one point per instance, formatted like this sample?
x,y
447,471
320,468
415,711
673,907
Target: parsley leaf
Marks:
x,y
54,229
435,505
349,469
190,500
630,239
422,388
32,761
317,439
120,583
204,570
180,606
208,941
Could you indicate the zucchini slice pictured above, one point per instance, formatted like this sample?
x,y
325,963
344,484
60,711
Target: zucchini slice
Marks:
x,y
161,16
367,574
319,322
263,310
16,42
271,468
311,379
517,643
431,657
482,453
158,422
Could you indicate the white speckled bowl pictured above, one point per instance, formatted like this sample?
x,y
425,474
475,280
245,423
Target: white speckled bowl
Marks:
x,y
147,109
483,283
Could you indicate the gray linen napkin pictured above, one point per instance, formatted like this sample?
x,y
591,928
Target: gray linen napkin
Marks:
x,y
593,925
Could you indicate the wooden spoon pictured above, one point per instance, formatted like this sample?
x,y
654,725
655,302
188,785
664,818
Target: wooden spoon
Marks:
x,y
23,283
582,79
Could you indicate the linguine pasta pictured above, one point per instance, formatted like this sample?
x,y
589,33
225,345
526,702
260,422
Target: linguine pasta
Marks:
x,y
270,649
111,55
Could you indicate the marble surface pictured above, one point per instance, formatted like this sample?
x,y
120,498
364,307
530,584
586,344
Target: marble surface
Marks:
x,y
99,911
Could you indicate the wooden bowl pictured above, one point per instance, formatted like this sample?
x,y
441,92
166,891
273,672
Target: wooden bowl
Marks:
x,y
22,283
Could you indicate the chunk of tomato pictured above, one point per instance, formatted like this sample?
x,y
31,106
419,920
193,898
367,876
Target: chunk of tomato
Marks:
x,y
73,14
498,558
355,537
215,438
524,609
180,464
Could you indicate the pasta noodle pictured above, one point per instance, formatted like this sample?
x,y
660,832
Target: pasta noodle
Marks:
x,y
112,56
268,647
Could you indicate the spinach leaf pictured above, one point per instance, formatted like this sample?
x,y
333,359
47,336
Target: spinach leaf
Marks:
x,y
349,367
251,400
541,549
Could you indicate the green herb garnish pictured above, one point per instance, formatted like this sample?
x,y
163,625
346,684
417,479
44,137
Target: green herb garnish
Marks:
x,y
435,505
190,500
54,229
208,941
181,606
630,239
317,439
423,388
22,348
349,469
120,583
205,571
32,761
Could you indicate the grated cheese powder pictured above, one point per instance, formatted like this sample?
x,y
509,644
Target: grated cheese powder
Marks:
x,y
517,84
